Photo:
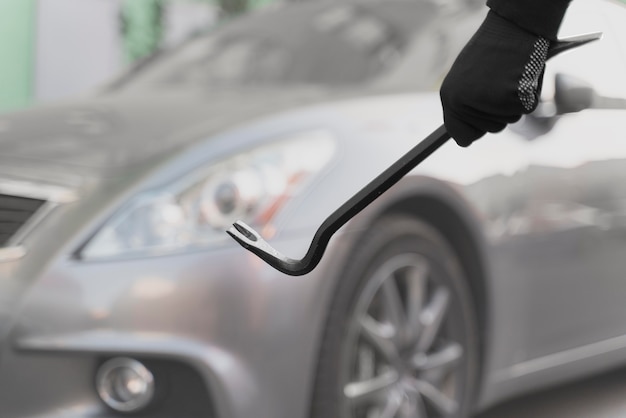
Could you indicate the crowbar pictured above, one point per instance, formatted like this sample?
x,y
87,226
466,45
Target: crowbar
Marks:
x,y
248,238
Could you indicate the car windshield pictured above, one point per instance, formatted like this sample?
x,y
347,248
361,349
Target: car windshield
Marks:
x,y
325,44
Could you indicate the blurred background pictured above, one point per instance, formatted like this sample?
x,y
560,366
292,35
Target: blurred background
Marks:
x,y
53,49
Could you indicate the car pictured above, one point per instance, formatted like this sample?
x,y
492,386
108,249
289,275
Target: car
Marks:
x,y
486,273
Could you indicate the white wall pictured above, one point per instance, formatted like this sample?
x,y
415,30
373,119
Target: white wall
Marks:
x,y
78,46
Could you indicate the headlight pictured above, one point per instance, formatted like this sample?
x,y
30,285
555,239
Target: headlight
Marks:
x,y
196,211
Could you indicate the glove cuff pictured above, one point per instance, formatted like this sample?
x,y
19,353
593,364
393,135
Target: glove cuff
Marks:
x,y
541,17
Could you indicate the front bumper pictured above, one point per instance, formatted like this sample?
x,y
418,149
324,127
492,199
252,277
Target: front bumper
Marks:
x,y
219,319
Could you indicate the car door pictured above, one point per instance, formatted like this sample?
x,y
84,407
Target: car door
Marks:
x,y
575,208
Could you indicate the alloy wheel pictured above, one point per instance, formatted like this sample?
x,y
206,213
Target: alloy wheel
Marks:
x,y
400,358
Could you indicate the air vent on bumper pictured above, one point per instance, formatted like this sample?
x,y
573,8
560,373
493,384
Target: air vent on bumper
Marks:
x,y
15,212
23,205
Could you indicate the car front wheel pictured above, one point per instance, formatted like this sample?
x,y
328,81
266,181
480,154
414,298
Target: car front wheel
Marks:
x,y
400,339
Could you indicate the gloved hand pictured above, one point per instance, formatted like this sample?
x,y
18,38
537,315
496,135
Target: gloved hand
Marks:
x,y
495,79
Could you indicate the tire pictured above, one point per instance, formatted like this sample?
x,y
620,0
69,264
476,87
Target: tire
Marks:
x,y
358,374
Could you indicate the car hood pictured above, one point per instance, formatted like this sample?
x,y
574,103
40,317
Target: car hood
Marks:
x,y
105,135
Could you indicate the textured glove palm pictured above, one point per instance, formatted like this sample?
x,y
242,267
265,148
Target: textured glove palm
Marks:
x,y
495,79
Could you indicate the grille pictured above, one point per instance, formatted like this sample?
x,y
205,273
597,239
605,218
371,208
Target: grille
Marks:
x,y
15,211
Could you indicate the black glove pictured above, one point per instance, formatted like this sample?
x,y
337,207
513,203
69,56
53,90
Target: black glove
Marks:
x,y
495,79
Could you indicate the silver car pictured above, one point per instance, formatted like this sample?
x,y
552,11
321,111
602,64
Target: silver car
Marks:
x,y
489,272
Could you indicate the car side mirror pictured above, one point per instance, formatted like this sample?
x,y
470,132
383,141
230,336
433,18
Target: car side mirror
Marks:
x,y
572,94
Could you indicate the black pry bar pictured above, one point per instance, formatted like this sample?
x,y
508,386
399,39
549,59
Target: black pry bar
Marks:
x,y
248,238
